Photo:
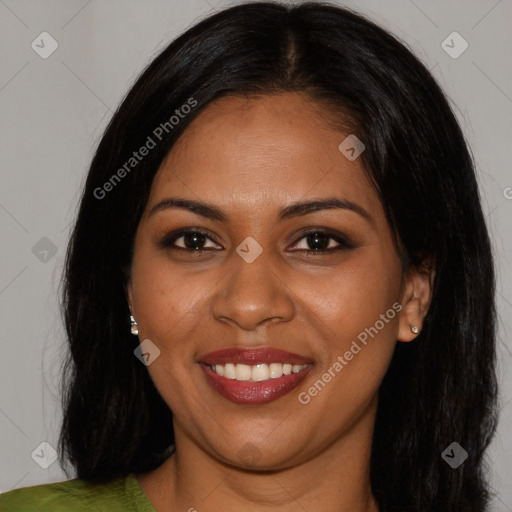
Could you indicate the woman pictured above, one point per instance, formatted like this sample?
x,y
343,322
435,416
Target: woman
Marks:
x,y
285,209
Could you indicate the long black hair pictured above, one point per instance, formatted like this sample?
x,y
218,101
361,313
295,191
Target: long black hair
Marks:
x,y
439,389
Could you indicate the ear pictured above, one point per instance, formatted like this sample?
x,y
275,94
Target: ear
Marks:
x,y
416,296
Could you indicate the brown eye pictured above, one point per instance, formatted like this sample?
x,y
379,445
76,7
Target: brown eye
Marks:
x,y
321,241
189,240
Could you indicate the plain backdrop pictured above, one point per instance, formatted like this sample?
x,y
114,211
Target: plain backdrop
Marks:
x,y
54,109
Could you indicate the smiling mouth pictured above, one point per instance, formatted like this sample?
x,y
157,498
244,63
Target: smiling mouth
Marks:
x,y
254,376
257,372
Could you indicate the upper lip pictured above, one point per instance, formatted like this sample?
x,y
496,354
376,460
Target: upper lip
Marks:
x,y
252,356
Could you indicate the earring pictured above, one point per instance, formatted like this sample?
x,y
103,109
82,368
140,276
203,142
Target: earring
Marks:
x,y
134,326
415,329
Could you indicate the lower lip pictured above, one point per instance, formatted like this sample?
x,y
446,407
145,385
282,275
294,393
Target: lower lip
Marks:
x,y
254,393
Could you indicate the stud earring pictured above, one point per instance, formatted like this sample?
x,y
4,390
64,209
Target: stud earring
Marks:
x,y
134,327
415,329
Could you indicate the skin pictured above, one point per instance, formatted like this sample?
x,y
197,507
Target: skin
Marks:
x,y
251,158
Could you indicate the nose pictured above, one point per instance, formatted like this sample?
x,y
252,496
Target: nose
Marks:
x,y
252,294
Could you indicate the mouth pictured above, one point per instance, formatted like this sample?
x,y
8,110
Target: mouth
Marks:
x,y
254,376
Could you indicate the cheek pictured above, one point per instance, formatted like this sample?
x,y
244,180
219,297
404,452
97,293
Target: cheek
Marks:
x,y
355,314
357,328
168,304
354,296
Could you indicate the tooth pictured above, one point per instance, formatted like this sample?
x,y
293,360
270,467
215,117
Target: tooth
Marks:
x,y
229,371
275,370
243,372
256,373
260,372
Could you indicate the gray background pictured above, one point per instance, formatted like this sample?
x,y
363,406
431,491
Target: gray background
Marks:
x,y
53,112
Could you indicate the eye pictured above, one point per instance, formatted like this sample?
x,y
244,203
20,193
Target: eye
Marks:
x,y
316,241
322,241
188,240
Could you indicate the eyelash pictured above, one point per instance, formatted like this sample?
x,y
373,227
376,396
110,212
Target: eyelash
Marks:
x,y
168,241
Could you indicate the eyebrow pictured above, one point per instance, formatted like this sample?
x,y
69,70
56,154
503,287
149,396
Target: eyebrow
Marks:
x,y
297,209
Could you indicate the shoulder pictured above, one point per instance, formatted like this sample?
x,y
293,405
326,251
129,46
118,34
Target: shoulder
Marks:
x,y
76,495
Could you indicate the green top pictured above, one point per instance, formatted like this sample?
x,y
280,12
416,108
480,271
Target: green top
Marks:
x,y
119,495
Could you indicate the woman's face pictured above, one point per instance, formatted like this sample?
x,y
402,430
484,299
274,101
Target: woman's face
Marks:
x,y
254,289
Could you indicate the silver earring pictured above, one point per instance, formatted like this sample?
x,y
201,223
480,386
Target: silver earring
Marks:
x,y
134,326
415,329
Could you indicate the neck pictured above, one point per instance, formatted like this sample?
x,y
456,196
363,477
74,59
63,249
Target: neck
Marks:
x,y
336,480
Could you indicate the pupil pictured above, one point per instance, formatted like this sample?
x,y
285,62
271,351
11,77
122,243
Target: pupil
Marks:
x,y
316,239
197,238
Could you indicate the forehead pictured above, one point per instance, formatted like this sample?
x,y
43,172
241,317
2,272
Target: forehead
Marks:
x,y
254,152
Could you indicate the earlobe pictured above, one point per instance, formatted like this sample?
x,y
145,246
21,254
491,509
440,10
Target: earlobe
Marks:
x,y
417,293
134,328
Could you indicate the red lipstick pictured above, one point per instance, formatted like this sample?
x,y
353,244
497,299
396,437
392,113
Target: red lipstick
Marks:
x,y
252,356
251,392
